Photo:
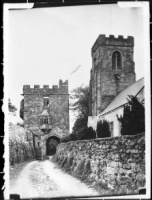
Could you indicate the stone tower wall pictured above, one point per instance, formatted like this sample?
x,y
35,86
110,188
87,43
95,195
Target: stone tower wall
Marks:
x,y
58,106
55,89
104,86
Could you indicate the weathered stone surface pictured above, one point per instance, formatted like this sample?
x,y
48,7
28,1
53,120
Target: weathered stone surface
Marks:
x,y
34,105
103,86
116,170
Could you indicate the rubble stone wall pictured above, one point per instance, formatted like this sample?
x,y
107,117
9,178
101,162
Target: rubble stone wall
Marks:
x,y
116,164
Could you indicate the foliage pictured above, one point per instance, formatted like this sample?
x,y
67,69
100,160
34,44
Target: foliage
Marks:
x,y
20,151
133,119
70,137
20,144
103,129
86,134
80,105
81,97
11,107
20,124
19,148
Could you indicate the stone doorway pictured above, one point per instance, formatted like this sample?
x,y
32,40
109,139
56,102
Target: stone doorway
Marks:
x,y
51,144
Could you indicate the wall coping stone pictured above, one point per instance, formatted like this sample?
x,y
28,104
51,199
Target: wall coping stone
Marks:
x,y
108,138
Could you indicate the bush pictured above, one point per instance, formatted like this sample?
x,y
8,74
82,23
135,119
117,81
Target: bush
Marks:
x,y
21,124
20,150
103,129
85,134
133,119
88,134
70,137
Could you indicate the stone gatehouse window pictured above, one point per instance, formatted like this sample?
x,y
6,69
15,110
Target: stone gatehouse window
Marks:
x,y
46,101
116,60
45,120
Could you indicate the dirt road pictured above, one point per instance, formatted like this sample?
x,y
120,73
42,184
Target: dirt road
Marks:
x,y
44,179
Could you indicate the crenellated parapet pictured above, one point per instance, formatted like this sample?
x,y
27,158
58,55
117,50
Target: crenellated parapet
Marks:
x,y
111,56
55,89
102,40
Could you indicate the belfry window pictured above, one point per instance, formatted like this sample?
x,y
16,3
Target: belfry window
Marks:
x,y
116,61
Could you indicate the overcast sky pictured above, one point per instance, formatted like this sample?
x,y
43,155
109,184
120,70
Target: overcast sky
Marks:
x,y
47,44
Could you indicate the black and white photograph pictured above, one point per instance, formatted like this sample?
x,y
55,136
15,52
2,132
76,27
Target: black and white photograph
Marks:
x,y
77,101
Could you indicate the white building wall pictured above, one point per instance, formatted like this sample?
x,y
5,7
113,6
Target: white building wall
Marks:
x,y
112,117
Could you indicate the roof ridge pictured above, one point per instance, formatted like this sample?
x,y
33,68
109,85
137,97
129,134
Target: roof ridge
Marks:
x,y
122,95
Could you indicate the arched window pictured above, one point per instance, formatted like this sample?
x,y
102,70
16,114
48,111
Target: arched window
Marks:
x,y
116,61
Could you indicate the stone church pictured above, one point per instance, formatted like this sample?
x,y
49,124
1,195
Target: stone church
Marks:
x,y
113,69
112,79
45,112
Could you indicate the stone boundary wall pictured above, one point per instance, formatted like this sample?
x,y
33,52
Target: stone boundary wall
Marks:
x,y
114,164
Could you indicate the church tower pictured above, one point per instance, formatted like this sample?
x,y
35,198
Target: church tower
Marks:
x,y
113,70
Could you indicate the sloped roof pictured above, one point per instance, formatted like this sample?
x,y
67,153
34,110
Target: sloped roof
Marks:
x,y
121,98
45,113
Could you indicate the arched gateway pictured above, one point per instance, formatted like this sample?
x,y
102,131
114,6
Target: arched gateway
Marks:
x,y
51,144
45,112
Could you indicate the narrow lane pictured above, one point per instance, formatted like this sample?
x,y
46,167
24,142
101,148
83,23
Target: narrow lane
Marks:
x,y
44,179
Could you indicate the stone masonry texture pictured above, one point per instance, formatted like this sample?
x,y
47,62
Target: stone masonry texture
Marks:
x,y
32,107
103,85
117,164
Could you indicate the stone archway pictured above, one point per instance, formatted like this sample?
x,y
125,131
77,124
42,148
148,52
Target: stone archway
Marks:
x,y
51,144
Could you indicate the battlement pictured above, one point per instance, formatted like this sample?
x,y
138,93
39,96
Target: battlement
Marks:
x,y
102,40
55,89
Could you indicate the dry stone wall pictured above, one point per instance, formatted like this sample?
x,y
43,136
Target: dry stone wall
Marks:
x,y
114,164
